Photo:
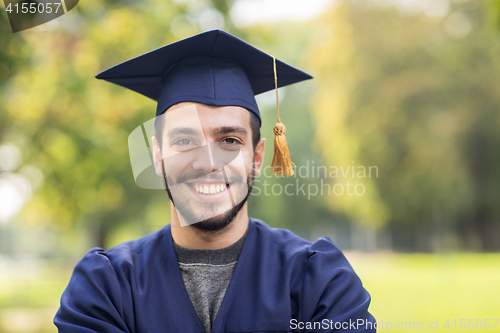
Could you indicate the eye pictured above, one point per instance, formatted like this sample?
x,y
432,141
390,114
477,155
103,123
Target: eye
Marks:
x,y
231,141
183,142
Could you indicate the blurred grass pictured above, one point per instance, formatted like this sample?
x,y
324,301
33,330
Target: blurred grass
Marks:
x,y
29,294
424,287
404,288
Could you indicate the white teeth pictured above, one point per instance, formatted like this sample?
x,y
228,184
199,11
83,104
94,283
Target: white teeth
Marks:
x,y
210,189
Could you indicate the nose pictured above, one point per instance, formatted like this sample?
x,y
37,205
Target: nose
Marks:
x,y
202,159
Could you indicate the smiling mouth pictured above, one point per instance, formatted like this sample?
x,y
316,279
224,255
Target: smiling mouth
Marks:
x,y
209,189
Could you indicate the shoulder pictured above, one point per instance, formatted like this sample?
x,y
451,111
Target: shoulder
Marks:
x,y
320,262
128,255
289,242
328,286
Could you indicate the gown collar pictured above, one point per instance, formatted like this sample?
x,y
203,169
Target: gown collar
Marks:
x,y
183,303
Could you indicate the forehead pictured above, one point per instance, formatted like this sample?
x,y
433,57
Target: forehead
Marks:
x,y
192,114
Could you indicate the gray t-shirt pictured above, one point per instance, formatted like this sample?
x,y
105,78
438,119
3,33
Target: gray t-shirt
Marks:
x,y
206,275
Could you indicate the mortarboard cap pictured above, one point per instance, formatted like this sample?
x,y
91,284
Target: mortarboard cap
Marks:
x,y
213,68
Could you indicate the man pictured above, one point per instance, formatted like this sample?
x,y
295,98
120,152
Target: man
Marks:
x,y
213,268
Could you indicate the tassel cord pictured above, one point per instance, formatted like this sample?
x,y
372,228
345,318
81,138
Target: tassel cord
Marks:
x,y
281,162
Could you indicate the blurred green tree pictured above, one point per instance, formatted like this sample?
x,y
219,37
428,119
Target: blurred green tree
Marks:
x,y
417,96
495,13
75,128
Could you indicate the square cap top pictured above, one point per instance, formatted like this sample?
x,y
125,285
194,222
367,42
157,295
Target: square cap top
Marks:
x,y
213,68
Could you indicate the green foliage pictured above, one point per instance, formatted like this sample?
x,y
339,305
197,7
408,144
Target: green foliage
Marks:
x,y
75,128
495,13
418,97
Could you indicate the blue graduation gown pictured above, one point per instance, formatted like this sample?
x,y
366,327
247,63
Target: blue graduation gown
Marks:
x,y
137,287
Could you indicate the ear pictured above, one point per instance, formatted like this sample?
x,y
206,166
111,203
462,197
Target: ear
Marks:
x,y
157,156
259,155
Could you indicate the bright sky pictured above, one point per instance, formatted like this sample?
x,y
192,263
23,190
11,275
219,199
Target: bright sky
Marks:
x,y
248,12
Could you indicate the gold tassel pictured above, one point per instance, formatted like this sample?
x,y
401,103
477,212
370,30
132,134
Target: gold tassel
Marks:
x,y
281,163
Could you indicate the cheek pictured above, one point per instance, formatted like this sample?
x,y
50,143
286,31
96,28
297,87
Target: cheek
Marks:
x,y
176,164
248,157
242,164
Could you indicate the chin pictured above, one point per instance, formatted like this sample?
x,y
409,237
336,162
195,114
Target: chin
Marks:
x,y
219,222
215,224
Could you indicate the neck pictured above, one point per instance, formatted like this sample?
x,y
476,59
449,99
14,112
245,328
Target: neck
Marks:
x,y
192,238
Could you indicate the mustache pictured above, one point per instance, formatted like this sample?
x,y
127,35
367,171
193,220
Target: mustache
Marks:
x,y
217,175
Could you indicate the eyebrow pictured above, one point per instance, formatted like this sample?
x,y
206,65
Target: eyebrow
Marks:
x,y
182,130
222,130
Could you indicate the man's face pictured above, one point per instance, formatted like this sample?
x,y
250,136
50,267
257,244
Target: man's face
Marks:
x,y
208,159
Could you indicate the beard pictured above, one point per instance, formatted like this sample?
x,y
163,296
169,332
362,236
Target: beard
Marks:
x,y
216,223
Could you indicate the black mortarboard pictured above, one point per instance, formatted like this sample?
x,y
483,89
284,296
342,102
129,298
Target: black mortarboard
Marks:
x,y
214,68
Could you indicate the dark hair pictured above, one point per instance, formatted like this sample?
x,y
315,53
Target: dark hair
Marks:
x,y
254,126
